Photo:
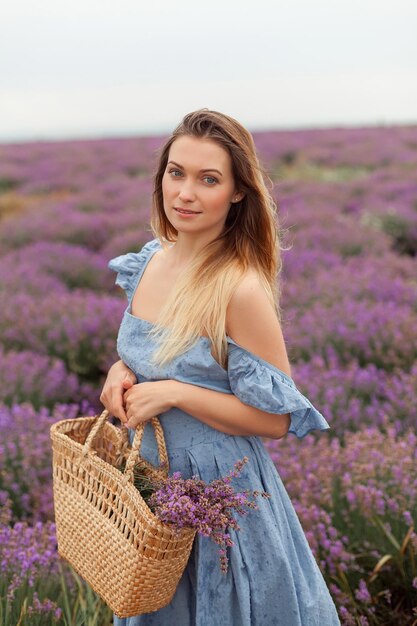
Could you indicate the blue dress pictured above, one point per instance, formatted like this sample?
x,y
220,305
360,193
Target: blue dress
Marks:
x,y
273,578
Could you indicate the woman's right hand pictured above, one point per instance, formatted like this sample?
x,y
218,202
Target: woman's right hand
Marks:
x,y
119,379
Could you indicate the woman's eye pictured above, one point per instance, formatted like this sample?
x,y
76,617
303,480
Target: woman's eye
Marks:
x,y
210,177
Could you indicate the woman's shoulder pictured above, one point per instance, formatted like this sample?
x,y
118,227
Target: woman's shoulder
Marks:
x,y
250,280
249,293
252,321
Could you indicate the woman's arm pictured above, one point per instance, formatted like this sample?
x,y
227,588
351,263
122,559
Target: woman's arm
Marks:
x,y
253,324
227,413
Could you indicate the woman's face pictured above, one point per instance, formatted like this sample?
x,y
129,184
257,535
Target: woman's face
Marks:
x,y
198,177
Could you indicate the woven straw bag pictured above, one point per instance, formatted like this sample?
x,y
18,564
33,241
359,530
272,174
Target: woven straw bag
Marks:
x,y
104,527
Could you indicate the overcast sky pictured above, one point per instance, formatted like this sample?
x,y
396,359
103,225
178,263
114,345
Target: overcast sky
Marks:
x,y
91,68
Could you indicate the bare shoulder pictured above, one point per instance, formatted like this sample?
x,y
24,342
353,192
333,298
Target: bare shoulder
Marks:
x,y
252,322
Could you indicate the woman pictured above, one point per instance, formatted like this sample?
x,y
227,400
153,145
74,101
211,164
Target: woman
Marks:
x,y
201,346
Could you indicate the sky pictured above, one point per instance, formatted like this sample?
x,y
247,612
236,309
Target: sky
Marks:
x,y
95,68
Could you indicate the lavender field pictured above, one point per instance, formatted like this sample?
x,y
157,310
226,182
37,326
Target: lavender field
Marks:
x,y
348,201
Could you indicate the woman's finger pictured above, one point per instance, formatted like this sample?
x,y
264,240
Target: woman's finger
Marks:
x,y
119,410
114,404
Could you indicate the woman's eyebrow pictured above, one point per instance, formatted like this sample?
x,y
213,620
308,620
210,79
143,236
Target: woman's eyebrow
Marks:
x,y
210,169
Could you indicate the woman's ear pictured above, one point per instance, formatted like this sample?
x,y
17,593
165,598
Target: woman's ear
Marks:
x,y
238,196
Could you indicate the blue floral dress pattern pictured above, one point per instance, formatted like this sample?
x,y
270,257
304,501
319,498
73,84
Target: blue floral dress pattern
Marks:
x,y
273,578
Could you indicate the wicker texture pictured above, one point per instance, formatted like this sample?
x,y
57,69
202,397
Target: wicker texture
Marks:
x,y
105,529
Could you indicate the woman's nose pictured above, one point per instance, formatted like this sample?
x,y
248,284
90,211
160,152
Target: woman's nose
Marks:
x,y
187,192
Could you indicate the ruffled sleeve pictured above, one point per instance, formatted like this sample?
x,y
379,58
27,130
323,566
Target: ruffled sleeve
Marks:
x,y
130,266
262,385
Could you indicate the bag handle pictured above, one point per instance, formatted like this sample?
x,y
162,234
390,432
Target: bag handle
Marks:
x,y
136,444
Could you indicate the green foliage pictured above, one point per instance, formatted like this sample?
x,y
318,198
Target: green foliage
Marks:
x,y
77,603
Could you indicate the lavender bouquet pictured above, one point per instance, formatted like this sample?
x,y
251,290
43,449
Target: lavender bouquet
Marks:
x,y
207,507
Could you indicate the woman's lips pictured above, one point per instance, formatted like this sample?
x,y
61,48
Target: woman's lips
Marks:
x,y
186,213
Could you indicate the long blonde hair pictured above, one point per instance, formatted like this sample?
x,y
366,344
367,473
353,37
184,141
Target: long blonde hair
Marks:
x,y
250,239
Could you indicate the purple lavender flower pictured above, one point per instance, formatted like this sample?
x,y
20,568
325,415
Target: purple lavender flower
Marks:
x,y
206,507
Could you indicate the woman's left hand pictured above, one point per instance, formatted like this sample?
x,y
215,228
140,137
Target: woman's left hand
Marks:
x,y
145,400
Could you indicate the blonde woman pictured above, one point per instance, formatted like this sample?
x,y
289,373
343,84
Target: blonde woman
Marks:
x,y
201,346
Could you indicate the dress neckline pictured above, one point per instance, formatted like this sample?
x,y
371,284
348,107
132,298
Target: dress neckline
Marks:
x,y
229,340
152,324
